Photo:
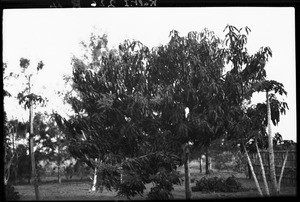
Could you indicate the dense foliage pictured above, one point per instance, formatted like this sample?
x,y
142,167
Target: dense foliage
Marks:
x,y
115,119
216,184
136,109
11,194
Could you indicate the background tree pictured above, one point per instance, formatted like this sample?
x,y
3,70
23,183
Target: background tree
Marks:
x,y
10,194
8,153
50,142
279,108
246,76
17,133
29,99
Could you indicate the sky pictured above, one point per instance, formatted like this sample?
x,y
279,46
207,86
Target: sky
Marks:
x,y
53,36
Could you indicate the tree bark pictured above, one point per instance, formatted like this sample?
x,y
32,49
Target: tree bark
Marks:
x,y
188,192
281,174
253,173
262,170
270,148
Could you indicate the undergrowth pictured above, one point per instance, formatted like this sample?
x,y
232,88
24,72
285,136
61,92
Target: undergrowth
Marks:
x,y
217,184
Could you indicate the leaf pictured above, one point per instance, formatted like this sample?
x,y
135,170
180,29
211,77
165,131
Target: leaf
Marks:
x,y
40,65
248,29
24,63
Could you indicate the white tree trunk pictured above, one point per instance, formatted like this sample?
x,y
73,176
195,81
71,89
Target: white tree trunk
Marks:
x,y
200,164
94,180
262,170
281,174
270,148
253,173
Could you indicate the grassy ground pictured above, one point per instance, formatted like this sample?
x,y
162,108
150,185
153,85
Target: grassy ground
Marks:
x,y
79,190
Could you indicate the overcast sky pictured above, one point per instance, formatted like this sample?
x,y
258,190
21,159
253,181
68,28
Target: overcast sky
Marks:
x,y
53,35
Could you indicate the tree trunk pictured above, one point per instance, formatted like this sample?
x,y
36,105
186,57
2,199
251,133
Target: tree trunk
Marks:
x,y
188,192
249,171
270,148
7,170
58,163
207,164
17,168
94,180
200,164
29,175
281,174
253,173
58,174
262,170
34,174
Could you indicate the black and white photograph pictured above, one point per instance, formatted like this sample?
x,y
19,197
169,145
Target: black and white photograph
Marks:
x,y
149,103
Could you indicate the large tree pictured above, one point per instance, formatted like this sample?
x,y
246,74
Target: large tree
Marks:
x,y
115,129
186,76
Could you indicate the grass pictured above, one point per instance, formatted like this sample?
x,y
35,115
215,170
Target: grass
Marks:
x,y
76,189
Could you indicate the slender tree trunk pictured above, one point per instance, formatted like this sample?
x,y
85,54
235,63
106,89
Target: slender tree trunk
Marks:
x,y
281,174
34,174
270,148
17,156
200,163
252,171
59,167
29,176
7,170
207,164
249,171
262,170
17,168
188,192
58,174
94,180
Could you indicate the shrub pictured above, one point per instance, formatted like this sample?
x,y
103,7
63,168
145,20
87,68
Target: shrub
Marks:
x,y
11,194
163,181
132,185
232,185
216,184
157,193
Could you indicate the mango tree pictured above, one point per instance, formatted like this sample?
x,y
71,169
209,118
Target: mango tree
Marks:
x,y
115,122
186,75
